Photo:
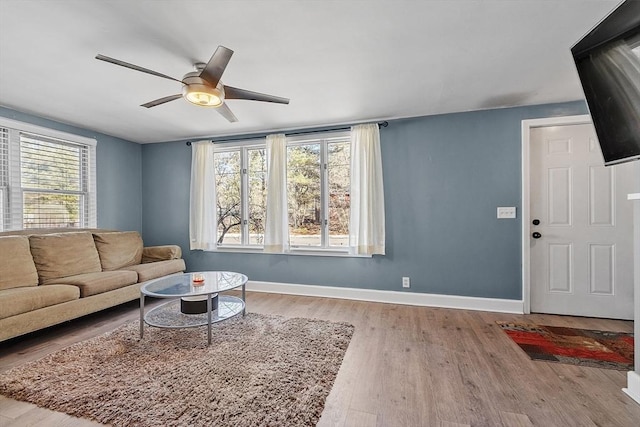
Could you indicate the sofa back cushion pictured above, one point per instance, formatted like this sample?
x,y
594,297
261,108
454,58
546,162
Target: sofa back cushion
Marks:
x,y
64,254
119,249
16,264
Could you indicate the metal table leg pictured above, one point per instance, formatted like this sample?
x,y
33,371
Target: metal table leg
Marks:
x,y
141,315
209,304
244,300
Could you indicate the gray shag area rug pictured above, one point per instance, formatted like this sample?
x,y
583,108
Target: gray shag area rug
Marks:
x,y
259,371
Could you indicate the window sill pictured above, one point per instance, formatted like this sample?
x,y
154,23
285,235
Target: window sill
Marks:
x,y
292,251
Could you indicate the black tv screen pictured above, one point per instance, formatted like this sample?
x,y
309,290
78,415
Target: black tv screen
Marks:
x,y
608,64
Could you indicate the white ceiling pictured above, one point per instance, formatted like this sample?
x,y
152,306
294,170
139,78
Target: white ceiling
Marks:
x,y
339,62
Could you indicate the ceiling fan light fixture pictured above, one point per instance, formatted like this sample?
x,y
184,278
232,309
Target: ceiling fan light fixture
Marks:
x,y
203,87
203,95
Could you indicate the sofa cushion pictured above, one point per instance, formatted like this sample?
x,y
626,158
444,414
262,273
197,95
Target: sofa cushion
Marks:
x,y
161,253
119,249
64,254
23,300
16,263
154,270
97,283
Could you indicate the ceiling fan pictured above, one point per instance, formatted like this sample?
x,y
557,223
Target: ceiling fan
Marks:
x,y
203,86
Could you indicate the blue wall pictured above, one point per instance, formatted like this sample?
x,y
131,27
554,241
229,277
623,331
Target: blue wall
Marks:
x,y
119,177
444,176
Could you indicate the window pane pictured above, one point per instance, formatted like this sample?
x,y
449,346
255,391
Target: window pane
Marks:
x,y
50,165
52,173
51,210
338,170
228,203
257,194
303,187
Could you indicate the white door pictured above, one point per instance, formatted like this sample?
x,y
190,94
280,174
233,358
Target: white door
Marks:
x,y
582,258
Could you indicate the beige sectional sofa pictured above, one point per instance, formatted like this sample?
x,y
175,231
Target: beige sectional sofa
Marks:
x,y
50,277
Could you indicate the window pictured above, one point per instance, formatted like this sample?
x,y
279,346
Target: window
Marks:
x,y
318,188
241,194
47,178
318,192
325,194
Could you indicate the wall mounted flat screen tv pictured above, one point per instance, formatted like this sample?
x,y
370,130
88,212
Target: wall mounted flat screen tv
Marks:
x,y
608,63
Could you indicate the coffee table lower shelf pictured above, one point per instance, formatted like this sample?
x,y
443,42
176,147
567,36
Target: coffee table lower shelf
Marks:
x,y
168,315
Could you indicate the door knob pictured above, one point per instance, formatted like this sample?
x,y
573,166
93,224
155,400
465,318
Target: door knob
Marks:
x,y
536,222
536,235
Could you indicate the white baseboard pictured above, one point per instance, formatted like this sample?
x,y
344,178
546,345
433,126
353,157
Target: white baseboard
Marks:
x,y
392,297
633,385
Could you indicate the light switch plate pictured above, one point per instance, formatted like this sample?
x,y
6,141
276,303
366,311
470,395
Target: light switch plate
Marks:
x,y
506,212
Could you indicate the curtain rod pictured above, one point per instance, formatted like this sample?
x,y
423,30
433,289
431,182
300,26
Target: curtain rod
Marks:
x,y
383,124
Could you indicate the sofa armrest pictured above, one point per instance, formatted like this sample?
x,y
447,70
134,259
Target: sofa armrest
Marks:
x,y
161,253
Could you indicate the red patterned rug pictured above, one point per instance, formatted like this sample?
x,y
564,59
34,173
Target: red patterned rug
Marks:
x,y
582,347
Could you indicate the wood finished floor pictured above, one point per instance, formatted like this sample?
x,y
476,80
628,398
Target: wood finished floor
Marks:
x,y
405,366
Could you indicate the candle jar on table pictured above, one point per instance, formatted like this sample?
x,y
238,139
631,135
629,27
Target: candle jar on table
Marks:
x,y
197,279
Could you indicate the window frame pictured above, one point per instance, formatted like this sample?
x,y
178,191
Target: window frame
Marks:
x,y
323,138
12,209
243,147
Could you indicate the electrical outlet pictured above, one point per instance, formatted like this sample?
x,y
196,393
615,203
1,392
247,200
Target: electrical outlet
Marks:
x,y
506,212
406,282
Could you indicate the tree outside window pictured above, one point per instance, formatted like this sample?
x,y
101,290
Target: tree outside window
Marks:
x,y
318,193
241,195
304,195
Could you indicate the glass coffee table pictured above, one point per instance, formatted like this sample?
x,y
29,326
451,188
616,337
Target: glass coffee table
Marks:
x,y
192,303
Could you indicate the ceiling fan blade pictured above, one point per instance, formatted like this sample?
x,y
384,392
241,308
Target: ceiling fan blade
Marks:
x,y
212,72
226,112
134,67
235,93
161,100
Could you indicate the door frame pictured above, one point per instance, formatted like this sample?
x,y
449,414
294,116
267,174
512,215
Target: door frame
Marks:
x,y
527,126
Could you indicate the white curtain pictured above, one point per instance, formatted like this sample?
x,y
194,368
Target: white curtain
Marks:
x,y
366,227
202,202
276,225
